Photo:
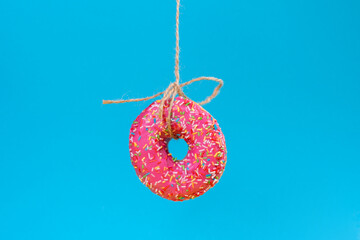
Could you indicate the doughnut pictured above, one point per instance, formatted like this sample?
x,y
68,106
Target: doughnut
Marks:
x,y
164,175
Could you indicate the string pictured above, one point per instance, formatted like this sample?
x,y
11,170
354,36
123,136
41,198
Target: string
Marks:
x,y
175,88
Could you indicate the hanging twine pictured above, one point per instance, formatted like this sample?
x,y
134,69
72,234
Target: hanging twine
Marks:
x,y
174,88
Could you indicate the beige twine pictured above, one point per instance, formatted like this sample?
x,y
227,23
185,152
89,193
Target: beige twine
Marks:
x,y
174,88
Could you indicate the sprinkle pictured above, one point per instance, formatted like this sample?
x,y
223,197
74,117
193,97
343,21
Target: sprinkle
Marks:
x,y
146,175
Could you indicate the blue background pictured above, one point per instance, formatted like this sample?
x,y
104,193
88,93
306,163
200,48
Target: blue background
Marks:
x,y
290,112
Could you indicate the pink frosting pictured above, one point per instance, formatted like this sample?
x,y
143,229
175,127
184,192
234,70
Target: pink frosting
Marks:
x,y
167,177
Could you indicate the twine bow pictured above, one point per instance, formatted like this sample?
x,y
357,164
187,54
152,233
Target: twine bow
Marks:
x,y
174,88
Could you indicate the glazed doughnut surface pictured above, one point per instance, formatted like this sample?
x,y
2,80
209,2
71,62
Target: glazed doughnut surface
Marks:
x,y
167,177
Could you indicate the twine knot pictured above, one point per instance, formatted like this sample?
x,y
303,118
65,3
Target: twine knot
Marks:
x,y
170,93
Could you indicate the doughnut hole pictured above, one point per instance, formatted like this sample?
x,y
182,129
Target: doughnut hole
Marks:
x,y
178,148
